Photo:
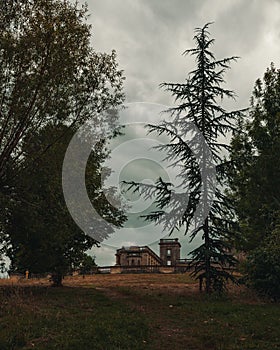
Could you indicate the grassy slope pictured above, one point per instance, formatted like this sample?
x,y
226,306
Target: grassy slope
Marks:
x,y
197,322
67,318
134,312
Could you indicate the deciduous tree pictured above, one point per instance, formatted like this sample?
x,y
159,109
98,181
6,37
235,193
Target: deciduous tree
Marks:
x,y
255,184
41,235
256,176
49,74
51,79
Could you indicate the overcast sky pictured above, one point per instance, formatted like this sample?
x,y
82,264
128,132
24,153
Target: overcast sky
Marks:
x,y
149,37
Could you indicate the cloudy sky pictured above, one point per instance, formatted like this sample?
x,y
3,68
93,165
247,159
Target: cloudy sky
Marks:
x,y
150,36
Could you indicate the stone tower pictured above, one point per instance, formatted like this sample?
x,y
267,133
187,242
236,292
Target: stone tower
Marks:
x,y
169,251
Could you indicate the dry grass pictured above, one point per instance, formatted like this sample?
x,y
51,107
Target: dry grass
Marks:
x,y
107,280
139,311
166,283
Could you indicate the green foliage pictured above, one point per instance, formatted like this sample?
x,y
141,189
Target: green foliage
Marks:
x,y
51,82
87,265
263,267
255,185
49,73
255,181
42,237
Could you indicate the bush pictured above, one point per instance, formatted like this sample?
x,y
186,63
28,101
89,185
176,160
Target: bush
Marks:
x,y
263,268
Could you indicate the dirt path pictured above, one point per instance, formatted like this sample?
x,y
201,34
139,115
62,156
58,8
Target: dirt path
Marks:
x,y
165,334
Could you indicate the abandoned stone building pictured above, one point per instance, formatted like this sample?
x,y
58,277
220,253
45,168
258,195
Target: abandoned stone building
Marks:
x,y
145,256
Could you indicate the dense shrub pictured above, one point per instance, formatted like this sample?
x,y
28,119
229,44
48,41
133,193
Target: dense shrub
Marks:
x,y
263,268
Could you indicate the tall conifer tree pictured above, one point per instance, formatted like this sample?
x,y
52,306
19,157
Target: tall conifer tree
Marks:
x,y
197,126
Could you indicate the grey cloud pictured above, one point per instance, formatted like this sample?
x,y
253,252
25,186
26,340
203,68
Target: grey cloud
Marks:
x,y
242,25
150,36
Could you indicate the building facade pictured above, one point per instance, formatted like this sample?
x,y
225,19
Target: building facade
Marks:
x,y
170,250
145,256
137,256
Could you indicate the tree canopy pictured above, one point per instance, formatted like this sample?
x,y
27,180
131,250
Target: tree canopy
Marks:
x,y
49,73
42,236
255,185
51,82
255,151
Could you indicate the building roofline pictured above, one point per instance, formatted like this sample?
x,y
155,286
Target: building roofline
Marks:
x,y
165,241
140,248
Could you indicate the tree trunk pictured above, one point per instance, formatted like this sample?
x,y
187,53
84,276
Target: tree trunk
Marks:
x,y
56,279
200,283
207,258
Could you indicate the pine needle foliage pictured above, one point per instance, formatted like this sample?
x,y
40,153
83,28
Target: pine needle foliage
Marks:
x,y
196,129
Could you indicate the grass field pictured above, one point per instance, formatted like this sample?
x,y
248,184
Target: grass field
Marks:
x,y
133,312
